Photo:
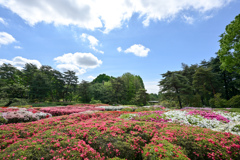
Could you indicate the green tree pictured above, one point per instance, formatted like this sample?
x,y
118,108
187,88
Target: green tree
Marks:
x,y
84,92
71,81
205,82
141,98
174,85
39,87
56,82
11,84
101,78
229,52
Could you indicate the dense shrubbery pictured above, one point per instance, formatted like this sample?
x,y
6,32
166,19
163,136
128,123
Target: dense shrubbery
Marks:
x,y
103,136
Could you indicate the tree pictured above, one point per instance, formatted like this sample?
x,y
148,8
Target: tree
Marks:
x,y
141,97
101,78
71,81
11,83
229,52
175,85
39,87
84,91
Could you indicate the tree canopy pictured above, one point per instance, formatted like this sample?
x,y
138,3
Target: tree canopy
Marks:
x,y
229,52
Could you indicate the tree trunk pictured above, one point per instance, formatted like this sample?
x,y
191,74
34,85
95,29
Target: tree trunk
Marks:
x,y
226,85
179,99
8,104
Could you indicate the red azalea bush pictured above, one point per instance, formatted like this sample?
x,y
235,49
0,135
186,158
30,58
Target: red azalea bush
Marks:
x,y
104,136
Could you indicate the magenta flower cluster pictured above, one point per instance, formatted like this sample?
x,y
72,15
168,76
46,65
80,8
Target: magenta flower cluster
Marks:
x,y
209,115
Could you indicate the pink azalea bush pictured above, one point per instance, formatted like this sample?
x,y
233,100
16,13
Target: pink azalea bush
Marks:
x,y
209,115
102,136
58,111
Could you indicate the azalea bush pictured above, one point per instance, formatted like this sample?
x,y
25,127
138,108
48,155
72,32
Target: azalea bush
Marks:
x,y
105,136
17,115
216,120
58,111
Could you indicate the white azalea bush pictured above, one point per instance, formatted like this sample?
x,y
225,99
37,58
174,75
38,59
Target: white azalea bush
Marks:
x,y
16,115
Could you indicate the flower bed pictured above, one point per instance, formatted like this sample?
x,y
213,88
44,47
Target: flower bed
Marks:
x,y
104,136
16,115
218,121
58,111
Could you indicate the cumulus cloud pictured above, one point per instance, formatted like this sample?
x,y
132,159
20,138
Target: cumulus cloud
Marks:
x,y
6,38
138,50
152,87
17,47
19,62
77,62
105,14
91,77
188,19
119,49
93,42
2,21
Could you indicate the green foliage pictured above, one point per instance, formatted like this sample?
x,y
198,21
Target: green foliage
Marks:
x,y
169,104
93,101
236,128
217,101
234,102
175,85
141,97
101,78
2,120
128,109
230,47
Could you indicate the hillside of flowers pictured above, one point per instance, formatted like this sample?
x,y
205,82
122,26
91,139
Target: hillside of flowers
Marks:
x,y
141,135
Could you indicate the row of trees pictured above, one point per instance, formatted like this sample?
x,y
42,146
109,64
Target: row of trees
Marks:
x,y
211,83
196,85
47,84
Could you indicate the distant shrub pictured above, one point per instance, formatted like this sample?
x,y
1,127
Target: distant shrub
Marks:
x,y
128,109
168,104
2,120
93,101
217,101
234,102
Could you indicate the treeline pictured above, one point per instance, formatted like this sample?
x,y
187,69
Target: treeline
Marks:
x,y
203,84
214,83
47,84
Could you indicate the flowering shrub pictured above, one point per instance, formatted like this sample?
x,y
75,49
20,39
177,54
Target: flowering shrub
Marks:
x,y
16,115
104,136
58,111
217,120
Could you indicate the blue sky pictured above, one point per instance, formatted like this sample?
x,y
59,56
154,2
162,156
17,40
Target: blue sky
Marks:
x,y
143,37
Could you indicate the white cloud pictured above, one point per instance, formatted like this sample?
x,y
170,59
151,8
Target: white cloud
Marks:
x,y
152,87
105,14
188,19
17,47
2,21
6,38
91,77
19,62
77,62
138,50
119,49
71,67
93,42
